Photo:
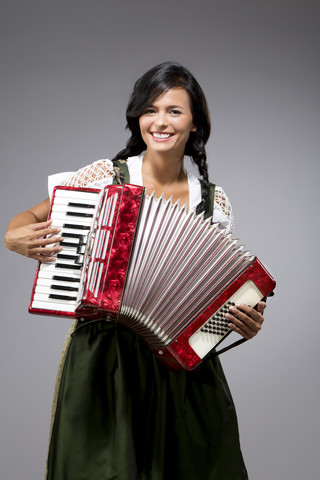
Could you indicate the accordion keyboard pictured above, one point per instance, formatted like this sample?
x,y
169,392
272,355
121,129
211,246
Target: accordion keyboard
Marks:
x,y
59,283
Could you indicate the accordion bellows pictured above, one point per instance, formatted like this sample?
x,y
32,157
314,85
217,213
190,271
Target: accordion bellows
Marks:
x,y
160,270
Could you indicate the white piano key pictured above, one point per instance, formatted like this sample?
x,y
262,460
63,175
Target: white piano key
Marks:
x,y
43,297
63,217
48,282
61,259
74,194
47,274
72,228
56,209
74,241
85,203
59,307
76,249
54,270
47,289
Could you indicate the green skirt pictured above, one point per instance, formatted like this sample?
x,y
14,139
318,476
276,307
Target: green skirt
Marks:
x,y
122,415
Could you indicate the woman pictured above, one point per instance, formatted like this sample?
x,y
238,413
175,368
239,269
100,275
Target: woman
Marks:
x,y
118,413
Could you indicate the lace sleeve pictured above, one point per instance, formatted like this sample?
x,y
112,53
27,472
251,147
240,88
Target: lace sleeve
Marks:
x,y
223,210
97,174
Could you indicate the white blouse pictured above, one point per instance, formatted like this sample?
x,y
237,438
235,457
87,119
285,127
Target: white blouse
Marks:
x,y
101,173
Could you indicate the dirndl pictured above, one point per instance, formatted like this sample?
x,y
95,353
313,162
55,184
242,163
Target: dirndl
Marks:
x,y
122,415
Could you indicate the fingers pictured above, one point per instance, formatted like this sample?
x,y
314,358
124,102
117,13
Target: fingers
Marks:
x,y
40,225
44,242
37,241
44,228
46,251
43,234
42,258
49,233
44,245
45,254
261,307
246,320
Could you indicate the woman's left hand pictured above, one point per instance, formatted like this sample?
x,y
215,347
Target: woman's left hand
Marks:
x,y
245,320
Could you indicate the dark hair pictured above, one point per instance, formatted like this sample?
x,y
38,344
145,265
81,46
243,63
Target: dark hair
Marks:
x,y
150,86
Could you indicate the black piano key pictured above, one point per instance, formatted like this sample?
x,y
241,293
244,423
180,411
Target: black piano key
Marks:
x,y
73,235
64,287
70,244
61,278
68,266
81,205
62,297
76,227
79,214
67,256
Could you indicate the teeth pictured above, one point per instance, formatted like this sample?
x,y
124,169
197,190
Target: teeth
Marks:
x,y
161,135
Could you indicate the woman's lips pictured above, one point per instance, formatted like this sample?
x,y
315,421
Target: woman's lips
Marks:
x,y
161,137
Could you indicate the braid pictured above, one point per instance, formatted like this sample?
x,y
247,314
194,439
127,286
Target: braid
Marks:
x,y
201,161
195,148
135,146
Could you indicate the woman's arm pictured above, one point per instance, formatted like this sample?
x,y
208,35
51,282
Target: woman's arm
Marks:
x,y
26,232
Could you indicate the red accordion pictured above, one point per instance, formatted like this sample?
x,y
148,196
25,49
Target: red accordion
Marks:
x,y
162,271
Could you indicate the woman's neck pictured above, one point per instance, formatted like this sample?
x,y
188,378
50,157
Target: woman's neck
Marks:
x,y
163,169
165,176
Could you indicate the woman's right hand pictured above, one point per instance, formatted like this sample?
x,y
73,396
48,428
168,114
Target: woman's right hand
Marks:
x,y
29,240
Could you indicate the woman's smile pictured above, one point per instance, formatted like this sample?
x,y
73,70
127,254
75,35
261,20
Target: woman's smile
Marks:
x,y
161,137
166,123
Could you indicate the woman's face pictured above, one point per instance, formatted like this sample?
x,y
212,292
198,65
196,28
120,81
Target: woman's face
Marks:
x,y
166,124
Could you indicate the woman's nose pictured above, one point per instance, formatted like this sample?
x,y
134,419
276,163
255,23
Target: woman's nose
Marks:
x,y
160,120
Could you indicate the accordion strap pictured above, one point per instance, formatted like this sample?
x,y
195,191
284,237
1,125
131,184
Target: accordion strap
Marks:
x,y
209,203
122,175
225,349
238,342
121,171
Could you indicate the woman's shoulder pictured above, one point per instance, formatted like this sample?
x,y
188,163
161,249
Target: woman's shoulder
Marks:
x,y
100,171
222,212
95,174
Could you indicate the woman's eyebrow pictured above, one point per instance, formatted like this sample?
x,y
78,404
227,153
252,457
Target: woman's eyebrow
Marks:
x,y
168,107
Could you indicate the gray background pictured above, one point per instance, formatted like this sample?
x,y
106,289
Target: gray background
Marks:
x,y
67,69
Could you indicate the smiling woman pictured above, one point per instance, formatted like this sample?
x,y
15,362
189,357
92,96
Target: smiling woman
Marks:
x,y
168,122
165,128
168,100
118,413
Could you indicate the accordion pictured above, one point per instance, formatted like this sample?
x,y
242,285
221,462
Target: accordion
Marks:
x,y
164,272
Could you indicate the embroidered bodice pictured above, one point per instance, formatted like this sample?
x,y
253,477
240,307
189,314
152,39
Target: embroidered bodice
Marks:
x,y
101,173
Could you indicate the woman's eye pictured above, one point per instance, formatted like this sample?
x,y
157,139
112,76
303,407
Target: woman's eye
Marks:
x,y
175,112
149,111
